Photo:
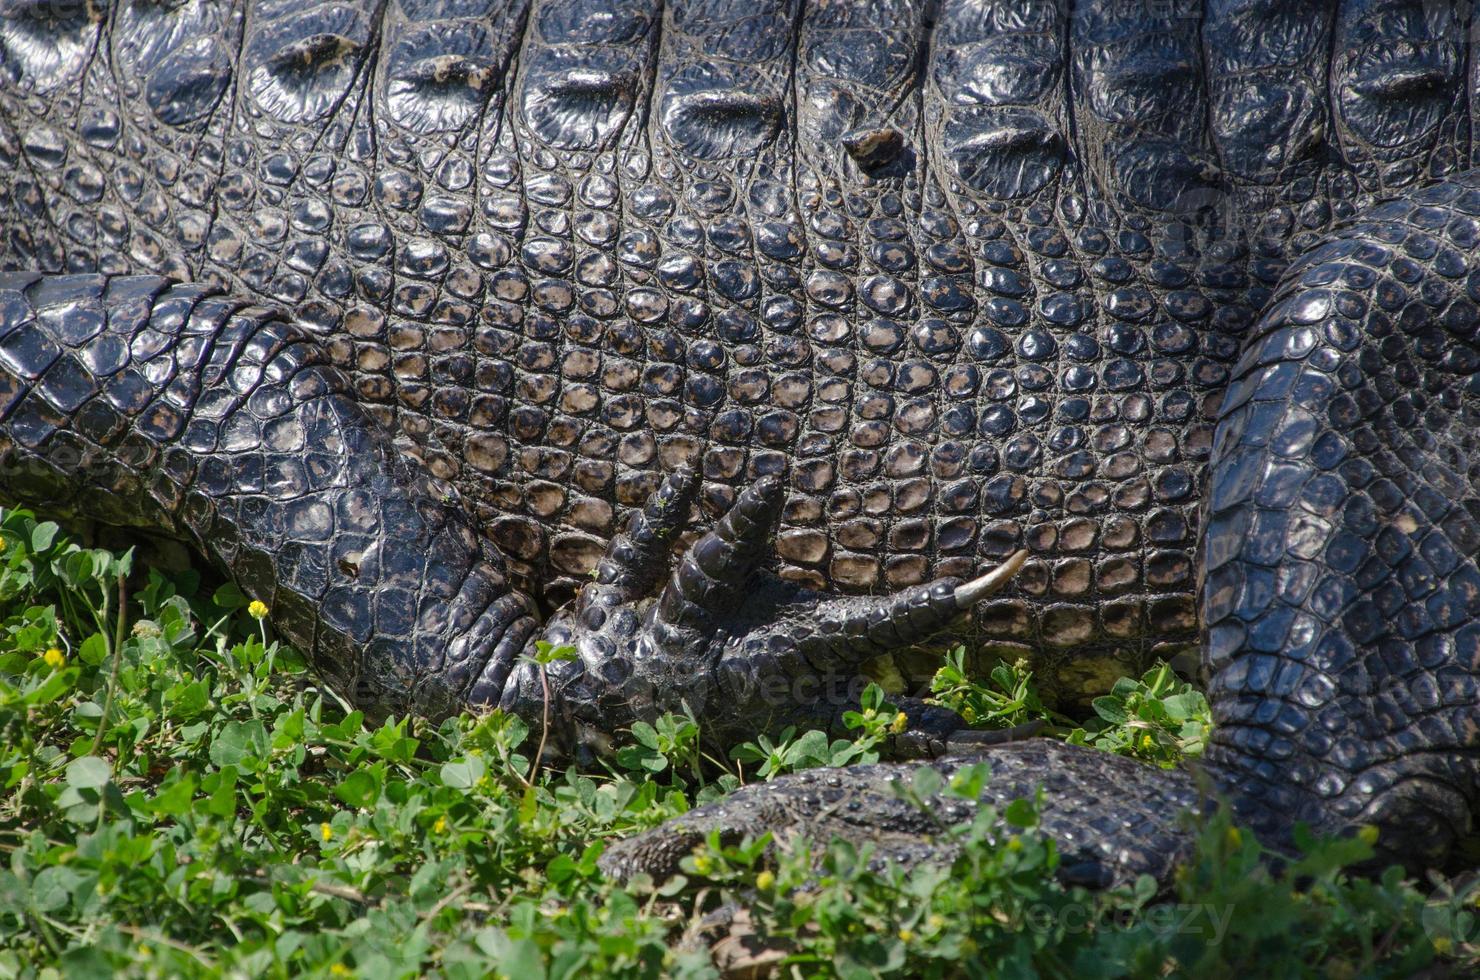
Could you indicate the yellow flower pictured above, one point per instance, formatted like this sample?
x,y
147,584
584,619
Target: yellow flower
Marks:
x,y
54,658
1367,834
440,826
257,609
765,881
4,544
703,863
897,726
906,935
1442,945
1015,844
1147,742
1235,839
326,832
936,922
339,970
968,715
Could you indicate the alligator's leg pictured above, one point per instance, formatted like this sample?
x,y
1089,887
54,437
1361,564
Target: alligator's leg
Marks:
x,y
138,402
1341,595
741,650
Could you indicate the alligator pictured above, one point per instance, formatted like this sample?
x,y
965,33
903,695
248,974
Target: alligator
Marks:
x,y
735,343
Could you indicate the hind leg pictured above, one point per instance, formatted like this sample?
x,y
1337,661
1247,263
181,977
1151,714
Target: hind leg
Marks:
x,y
1341,587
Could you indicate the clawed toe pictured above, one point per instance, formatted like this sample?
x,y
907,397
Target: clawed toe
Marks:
x,y
714,578
710,580
637,557
726,640
846,631
970,593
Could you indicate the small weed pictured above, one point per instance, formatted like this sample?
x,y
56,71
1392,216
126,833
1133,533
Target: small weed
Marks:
x,y
1160,719
1006,697
792,752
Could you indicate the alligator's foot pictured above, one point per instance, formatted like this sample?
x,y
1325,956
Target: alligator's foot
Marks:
x,y
1113,818
738,648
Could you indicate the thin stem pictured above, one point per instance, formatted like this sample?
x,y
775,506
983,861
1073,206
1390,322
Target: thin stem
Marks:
x,y
122,621
544,726
116,653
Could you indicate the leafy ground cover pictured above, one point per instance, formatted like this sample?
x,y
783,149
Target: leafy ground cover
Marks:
x,y
180,798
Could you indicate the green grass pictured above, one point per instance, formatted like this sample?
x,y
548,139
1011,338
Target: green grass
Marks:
x,y
180,797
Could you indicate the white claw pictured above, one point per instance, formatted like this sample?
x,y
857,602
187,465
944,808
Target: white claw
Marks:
x,y
970,593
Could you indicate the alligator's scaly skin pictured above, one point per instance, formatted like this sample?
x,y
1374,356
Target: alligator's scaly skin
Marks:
x,y
935,285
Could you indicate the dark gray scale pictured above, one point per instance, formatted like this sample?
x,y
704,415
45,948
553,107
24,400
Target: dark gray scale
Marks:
x,y
580,452
859,176
438,75
1268,67
126,175
1312,86
1398,93
313,214
1140,82
438,85
997,105
43,48
1165,263
1000,71
1268,81
35,241
945,331
713,201
1341,539
300,64
290,146
156,130
43,57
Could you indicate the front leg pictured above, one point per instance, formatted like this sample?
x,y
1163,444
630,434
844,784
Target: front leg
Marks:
x,y
741,650
138,402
